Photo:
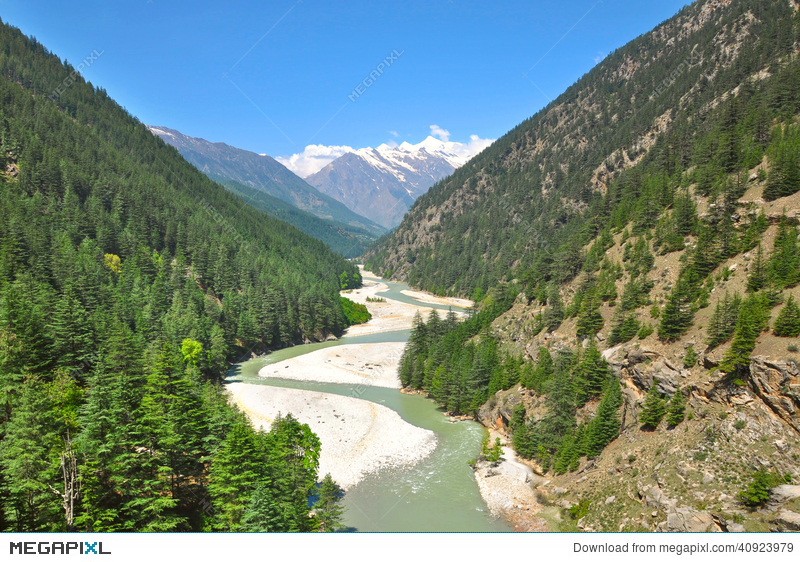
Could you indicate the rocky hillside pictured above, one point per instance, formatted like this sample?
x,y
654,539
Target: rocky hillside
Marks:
x,y
688,477
634,249
524,204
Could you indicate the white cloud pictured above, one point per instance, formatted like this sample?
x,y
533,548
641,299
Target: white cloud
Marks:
x,y
470,149
442,134
394,134
313,158
600,56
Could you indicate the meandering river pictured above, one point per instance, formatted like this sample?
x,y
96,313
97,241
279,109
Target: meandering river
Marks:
x,y
437,494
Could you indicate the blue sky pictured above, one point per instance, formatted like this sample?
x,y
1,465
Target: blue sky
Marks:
x,y
274,76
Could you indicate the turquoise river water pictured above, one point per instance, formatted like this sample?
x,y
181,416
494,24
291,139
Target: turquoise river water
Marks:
x,y
437,494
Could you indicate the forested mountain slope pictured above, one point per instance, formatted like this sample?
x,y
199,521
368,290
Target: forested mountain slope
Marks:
x,y
264,173
128,280
525,205
646,362
349,241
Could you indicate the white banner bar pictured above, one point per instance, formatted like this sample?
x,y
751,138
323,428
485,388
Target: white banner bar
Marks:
x,y
403,547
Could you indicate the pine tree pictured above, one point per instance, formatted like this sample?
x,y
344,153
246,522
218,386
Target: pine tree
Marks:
x,y
590,321
787,325
690,359
604,427
723,322
752,320
678,313
592,373
653,409
676,410
264,514
759,274
554,313
329,511
784,263
624,328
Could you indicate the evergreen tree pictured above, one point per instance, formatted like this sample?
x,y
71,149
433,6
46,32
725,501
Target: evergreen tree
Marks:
x,y
554,313
604,427
759,273
676,410
590,321
752,320
690,359
653,409
591,374
723,322
264,514
784,263
787,325
678,313
327,508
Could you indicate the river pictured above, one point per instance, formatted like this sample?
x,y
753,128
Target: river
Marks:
x,y
439,493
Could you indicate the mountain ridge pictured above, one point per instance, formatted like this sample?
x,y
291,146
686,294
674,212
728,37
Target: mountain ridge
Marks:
x,y
383,182
261,172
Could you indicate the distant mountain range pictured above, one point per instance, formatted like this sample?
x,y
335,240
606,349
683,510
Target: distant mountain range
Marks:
x,y
382,183
263,173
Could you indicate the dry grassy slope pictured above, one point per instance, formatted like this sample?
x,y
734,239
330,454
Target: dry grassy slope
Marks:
x,y
686,478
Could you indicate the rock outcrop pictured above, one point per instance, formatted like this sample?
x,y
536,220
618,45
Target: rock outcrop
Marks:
x,y
776,383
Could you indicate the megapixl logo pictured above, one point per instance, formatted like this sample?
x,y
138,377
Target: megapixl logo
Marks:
x,y
47,547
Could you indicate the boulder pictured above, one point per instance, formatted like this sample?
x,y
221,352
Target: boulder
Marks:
x,y
769,378
688,520
788,520
783,493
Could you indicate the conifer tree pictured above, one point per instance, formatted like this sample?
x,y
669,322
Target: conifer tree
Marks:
x,y
759,273
787,325
328,510
784,263
653,409
690,359
604,427
676,410
752,320
678,313
723,322
263,514
554,313
590,321
592,373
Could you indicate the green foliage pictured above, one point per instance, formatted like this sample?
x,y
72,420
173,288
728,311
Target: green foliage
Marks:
x,y
752,319
355,313
327,508
676,409
591,375
723,322
784,153
604,427
590,321
624,327
678,313
128,281
579,510
784,262
690,359
442,358
787,325
645,331
757,491
653,409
